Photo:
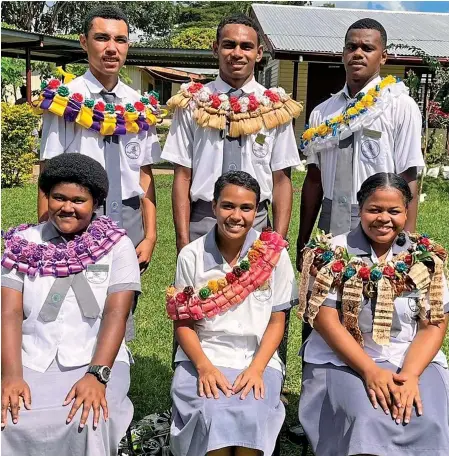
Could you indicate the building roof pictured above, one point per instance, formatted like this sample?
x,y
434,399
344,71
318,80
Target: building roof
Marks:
x,y
312,30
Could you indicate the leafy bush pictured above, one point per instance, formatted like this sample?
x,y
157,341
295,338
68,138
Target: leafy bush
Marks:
x,y
437,154
194,38
19,143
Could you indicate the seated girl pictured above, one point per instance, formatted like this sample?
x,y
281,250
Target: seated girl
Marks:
x,y
67,289
375,381
231,290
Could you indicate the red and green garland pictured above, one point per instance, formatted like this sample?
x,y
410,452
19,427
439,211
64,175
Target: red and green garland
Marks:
x,y
221,294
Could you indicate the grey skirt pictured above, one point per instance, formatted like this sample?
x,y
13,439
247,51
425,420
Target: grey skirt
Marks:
x,y
200,425
339,419
42,431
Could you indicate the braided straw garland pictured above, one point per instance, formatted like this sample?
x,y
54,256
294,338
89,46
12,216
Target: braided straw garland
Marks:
x,y
246,115
423,265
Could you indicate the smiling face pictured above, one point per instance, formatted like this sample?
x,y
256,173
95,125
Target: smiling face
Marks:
x,y
70,207
235,211
363,56
383,215
237,52
106,45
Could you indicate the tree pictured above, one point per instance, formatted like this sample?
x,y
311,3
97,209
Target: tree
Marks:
x,y
194,38
13,71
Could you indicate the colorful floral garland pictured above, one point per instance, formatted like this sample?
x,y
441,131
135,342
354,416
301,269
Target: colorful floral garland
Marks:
x,y
220,295
421,266
246,115
104,118
63,259
333,127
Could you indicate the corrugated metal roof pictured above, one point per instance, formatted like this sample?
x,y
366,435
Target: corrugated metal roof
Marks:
x,y
318,29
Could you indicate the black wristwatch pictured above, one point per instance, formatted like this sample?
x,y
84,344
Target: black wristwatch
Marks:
x,y
103,373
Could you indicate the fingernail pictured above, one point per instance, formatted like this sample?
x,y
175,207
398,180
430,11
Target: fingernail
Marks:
x,y
398,421
14,420
81,425
406,421
68,420
386,412
394,417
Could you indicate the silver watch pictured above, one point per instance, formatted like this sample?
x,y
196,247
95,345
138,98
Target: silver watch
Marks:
x,y
103,373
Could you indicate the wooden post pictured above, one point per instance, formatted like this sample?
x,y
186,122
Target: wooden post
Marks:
x,y
295,84
28,73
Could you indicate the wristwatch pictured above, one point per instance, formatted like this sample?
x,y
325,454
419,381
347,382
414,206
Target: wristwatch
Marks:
x,y
103,373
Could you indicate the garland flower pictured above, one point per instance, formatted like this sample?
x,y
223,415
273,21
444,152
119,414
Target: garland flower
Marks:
x,y
246,115
104,118
220,295
63,259
354,117
421,267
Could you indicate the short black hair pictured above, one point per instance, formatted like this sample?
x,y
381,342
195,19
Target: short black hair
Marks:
x,y
105,12
384,180
23,91
372,24
238,18
239,178
74,168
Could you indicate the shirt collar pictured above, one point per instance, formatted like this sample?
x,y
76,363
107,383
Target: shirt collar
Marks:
x,y
95,86
223,87
49,232
345,90
212,256
358,243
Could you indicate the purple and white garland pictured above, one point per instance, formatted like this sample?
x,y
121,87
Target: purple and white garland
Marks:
x,y
63,259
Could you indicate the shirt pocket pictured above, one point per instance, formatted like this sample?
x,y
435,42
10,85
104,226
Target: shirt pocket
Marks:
x,y
372,151
134,150
261,147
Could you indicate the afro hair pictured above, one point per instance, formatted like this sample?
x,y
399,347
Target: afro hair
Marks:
x,y
73,168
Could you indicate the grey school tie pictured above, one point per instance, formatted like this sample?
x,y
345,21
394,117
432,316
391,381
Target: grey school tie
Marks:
x,y
232,147
58,291
83,293
112,165
342,195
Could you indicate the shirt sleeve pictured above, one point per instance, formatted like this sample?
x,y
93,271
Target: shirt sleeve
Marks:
x,y
152,147
185,270
179,144
407,135
125,273
12,279
285,150
55,131
285,292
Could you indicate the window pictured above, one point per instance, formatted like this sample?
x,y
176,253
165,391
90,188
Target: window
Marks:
x,y
267,78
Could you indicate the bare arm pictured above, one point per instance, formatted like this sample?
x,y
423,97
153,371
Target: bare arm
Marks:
x,y
112,328
12,319
42,201
270,341
424,346
181,205
282,200
411,176
311,198
13,385
145,249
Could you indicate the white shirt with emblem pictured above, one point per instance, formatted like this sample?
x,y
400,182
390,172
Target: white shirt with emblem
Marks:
x,y
136,149
316,350
231,339
201,149
391,144
71,337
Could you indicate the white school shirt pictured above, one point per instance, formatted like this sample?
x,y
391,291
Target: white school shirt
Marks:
x,y
201,149
232,338
71,337
397,149
316,350
136,149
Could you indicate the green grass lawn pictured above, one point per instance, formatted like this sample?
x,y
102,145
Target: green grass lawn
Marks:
x,y
152,373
